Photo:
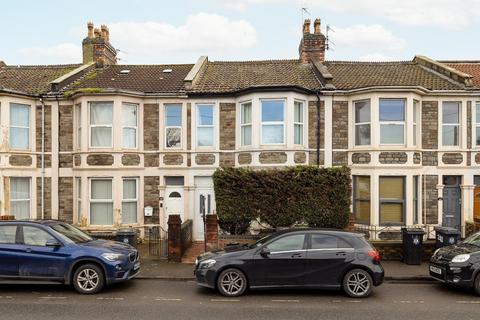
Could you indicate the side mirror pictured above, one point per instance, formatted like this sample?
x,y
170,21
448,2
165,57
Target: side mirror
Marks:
x,y
53,243
265,252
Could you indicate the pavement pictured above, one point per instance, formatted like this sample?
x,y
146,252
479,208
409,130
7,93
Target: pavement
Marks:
x,y
159,299
163,270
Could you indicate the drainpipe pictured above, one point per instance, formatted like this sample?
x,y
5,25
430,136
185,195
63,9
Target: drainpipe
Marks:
x,y
43,160
317,93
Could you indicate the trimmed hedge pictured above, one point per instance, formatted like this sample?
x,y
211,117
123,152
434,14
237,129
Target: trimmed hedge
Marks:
x,y
282,197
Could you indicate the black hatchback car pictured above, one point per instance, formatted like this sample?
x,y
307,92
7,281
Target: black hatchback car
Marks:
x,y
458,264
301,258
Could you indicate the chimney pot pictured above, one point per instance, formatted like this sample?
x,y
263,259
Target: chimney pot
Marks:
x,y
316,26
97,33
103,29
90,29
306,26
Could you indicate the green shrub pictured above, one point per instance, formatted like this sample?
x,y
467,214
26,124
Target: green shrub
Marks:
x,y
282,197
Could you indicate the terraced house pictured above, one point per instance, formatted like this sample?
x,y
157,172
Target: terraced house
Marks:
x,y
104,145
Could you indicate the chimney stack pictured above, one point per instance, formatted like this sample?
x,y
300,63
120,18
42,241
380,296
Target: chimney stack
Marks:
x,y
96,46
312,45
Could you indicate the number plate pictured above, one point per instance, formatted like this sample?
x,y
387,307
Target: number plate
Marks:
x,y
435,270
136,266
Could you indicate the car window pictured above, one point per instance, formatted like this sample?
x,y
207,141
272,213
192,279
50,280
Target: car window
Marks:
x,y
473,240
322,241
287,243
7,234
33,236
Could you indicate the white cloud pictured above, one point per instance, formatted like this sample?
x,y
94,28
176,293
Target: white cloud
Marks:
x,y
60,53
241,5
201,33
373,37
375,57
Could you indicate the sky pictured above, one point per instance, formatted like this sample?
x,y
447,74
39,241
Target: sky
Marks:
x,y
179,31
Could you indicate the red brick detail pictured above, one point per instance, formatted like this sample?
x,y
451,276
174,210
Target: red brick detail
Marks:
x,y
212,232
174,238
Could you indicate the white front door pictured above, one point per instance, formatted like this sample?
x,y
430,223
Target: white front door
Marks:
x,y
203,192
174,201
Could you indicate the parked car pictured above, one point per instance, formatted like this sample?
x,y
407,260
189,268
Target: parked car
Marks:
x,y
298,258
458,264
49,250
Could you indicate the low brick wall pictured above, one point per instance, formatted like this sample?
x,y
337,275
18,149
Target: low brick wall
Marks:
x,y
393,250
223,240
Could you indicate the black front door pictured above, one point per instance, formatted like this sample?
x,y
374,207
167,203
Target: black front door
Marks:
x,y
326,260
284,265
451,202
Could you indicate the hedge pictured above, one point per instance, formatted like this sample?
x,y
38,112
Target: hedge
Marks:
x,y
319,197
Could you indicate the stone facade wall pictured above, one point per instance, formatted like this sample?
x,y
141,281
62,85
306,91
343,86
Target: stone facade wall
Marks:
x,y
469,124
339,158
227,126
417,158
340,123
431,193
430,125
173,159
65,199
313,124
300,157
452,158
392,157
65,160
205,158
130,159
151,127
477,158
103,159
47,162
189,127
312,158
151,160
273,157
361,158
429,158
151,198
20,160
47,203
244,158
47,135
227,159
65,137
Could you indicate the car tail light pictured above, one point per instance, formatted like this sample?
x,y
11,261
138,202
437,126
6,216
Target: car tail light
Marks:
x,y
375,255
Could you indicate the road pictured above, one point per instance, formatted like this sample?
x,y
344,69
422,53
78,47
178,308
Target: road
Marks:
x,y
156,299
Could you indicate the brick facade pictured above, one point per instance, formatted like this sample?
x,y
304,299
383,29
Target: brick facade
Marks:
x,y
151,127
173,159
205,158
65,199
392,157
244,158
130,159
47,204
151,198
340,123
299,157
103,159
20,160
273,157
313,124
361,158
452,158
431,202
429,125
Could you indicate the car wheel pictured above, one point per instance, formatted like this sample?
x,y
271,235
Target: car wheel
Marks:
x,y
476,285
358,283
232,283
88,279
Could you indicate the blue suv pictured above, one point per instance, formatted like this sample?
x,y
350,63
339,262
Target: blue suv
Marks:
x,y
54,251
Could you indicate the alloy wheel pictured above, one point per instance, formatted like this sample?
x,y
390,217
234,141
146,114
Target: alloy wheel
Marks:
x,y
358,283
88,279
232,283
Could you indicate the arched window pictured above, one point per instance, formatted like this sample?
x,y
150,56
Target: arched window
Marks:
x,y
175,194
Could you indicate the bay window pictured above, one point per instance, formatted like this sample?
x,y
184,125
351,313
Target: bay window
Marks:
x,y
78,125
477,124
415,117
173,126
361,199
101,202
392,200
129,201
362,122
273,121
20,197
298,122
205,125
450,123
19,126
129,125
101,124
392,121
246,123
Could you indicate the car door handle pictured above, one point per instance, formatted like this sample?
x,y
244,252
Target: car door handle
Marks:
x,y
28,250
341,253
296,255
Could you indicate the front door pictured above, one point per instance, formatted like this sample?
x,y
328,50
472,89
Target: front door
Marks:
x,y
204,204
452,202
10,251
284,265
174,201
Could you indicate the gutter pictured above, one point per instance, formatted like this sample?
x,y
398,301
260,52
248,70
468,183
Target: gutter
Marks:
x,y
43,160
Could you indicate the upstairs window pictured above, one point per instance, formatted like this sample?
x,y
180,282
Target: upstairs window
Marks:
x,y
273,121
450,123
101,124
415,120
362,122
129,125
246,123
392,121
78,125
205,125
173,126
298,122
477,124
19,126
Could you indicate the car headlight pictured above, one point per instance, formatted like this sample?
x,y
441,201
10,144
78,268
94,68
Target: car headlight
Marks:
x,y
461,258
110,256
207,264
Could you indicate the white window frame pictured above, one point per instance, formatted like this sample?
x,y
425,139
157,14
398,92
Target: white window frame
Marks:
x,y
100,125
458,124
21,127
29,199
178,127
246,124
78,199
477,124
301,103
130,127
198,125
415,117
78,126
355,123
100,200
272,123
396,122
130,200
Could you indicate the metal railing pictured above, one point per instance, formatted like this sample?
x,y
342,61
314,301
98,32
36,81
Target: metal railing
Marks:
x,y
157,242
